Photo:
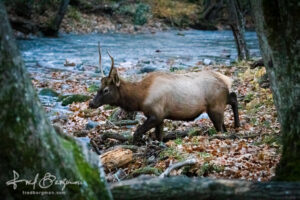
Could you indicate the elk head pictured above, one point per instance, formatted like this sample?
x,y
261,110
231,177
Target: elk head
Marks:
x,y
109,90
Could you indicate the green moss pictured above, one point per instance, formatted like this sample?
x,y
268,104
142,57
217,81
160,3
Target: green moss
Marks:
x,y
204,154
178,141
211,131
139,12
288,169
109,107
74,14
62,97
249,97
93,88
146,170
74,98
271,139
208,168
171,152
193,132
93,186
48,92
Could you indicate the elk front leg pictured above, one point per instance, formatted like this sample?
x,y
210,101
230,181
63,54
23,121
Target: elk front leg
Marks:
x,y
159,132
151,122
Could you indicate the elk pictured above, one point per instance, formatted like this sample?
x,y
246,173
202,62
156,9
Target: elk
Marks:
x,y
169,96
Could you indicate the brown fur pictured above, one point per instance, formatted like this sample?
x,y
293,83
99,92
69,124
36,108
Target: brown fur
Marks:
x,y
134,94
169,96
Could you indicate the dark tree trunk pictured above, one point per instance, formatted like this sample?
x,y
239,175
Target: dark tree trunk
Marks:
x,y
53,28
29,145
278,30
237,24
180,187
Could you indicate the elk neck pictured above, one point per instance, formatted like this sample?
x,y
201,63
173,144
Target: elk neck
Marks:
x,y
132,95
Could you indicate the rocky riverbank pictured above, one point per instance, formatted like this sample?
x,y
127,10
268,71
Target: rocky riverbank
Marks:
x,y
127,16
92,23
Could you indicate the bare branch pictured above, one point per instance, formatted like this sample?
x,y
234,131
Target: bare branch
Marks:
x,y
177,165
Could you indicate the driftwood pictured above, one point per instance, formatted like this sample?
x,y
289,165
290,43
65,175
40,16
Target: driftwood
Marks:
x,y
167,137
115,136
125,122
224,137
116,158
181,187
95,146
181,134
236,136
177,165
174,135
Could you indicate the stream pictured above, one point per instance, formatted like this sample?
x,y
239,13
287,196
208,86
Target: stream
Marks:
x,y
184,48
159,51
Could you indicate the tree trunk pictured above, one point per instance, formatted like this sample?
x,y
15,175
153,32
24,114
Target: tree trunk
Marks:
x,y
237,25
29,145
53,28
180,187
278,30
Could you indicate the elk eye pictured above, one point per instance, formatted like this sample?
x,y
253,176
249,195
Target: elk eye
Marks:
x,y
105,91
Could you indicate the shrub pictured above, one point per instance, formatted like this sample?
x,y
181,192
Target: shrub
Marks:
x,y
178,13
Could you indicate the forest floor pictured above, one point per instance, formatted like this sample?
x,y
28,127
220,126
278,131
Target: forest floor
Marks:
x,y
250,152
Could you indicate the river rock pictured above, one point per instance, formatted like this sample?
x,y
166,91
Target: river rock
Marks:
x,y
68,99
44,64
225,54
69,63
146,62
207,61
48,92
147,69
91,124
227,63
79,67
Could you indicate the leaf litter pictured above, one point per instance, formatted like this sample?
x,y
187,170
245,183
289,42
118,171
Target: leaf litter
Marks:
x,y
251,156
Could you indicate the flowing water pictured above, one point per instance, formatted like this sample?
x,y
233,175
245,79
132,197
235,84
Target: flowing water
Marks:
x,y
158,50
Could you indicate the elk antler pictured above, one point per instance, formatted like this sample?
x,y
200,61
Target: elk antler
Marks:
x,y
100,64
112,63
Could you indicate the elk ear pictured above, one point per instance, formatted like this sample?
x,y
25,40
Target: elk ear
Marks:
x,y
115,77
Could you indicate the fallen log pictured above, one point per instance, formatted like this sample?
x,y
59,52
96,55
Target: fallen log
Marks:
x,y
174,135
116,158
133,148
116,136
181,187
125,122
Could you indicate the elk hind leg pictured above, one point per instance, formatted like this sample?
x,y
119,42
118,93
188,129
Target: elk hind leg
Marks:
x,y
217,119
